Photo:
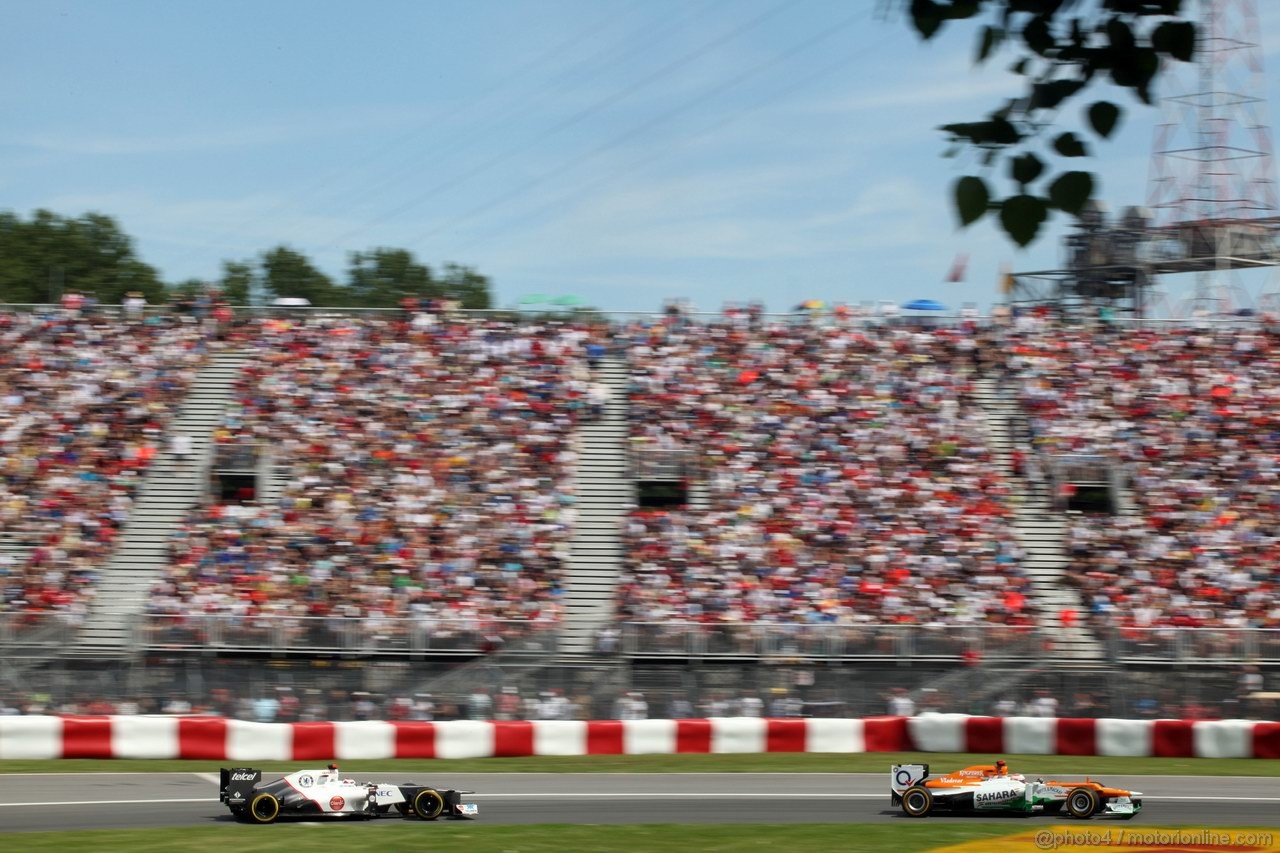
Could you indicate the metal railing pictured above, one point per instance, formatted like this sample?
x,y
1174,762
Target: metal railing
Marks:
x,y
35,631
869,317
898,642
1193,645
1082,469
219,632
654,463
409,636
237,457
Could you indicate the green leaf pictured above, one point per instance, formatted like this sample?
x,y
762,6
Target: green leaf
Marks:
x,y
1069,145
1026,168
1070,191
987,42
927,17
973,131
1176,38
1037,36
1119,35
1049,95
1021,217
972,199
1001,132
996,131
1103,116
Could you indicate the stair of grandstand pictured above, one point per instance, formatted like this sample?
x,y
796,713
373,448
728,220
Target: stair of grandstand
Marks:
x,y
1039,528
1125,504
604,493
12,546
168,492
273,476
699,497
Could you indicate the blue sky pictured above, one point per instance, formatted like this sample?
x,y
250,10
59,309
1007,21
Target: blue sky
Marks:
x,y
623,150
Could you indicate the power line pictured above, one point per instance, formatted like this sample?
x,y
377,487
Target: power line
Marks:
x,y
399,175
627,136
519,74
630,169
564,124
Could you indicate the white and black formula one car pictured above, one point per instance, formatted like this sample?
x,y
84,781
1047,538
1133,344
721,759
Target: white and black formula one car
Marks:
x,y
326,793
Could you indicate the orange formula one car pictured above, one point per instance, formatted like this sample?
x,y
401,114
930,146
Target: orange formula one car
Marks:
x,y
992,788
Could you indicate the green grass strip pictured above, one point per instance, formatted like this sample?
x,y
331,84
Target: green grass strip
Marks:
x,y
877,762
472,838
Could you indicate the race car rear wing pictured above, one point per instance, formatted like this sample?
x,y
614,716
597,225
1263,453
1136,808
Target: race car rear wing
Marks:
x,y
236,784
903,776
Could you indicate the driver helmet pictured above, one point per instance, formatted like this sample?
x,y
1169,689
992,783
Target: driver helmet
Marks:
x,y
1002,769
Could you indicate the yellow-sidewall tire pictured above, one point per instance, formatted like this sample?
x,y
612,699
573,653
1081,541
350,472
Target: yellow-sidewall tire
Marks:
x,y
428,803
264,808
1083,802
917,801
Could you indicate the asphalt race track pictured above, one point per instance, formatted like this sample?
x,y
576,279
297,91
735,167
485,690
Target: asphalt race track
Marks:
x,y
129,800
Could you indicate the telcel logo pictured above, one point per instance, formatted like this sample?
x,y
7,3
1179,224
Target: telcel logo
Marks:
x,y
242,777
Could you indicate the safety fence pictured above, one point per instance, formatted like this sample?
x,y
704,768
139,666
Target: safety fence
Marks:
x,y
869,641
1189,645
337,634
392,636
220,739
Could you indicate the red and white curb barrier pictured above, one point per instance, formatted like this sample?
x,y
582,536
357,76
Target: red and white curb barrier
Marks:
x,y
1064,736
220,739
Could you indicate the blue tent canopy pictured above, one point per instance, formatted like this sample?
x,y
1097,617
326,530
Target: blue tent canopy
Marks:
x,y
925,305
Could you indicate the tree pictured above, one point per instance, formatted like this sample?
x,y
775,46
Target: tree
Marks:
x,y
189,288
286,273
237,282
467,286
381,277
1062,48
49,255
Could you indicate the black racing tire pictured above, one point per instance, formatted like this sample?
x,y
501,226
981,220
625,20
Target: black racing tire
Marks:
x,y
428,803
1083,802
917,801
264,808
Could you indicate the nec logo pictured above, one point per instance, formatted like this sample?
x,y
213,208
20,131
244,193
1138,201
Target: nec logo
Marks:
x,y
243,777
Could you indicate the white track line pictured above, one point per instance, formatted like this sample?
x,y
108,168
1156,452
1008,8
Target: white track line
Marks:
x,y
107,803
736,795
209,777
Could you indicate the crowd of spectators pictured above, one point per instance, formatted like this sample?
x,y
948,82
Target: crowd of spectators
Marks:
x,y
85,398
847,473
841,473
1191,416
429,478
